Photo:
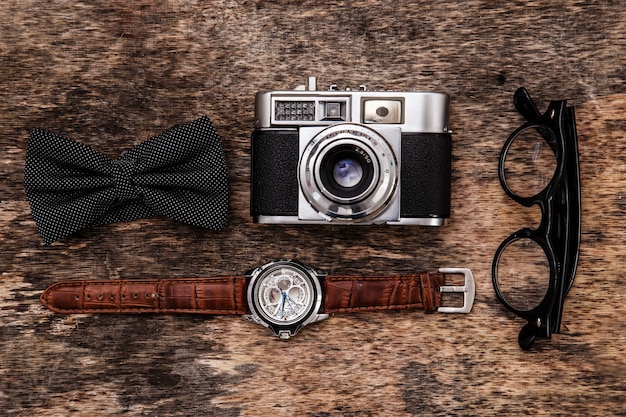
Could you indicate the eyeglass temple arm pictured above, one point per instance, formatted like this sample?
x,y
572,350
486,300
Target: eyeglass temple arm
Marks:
x,y
551,323
573,178
572,219
525,105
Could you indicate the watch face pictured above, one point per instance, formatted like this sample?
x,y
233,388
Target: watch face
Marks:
x,y
284,295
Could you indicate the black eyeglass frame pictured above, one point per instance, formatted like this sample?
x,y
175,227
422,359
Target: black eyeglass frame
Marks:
x,y
558,233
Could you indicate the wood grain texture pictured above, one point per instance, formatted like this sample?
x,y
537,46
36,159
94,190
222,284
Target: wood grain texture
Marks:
x,y
114,73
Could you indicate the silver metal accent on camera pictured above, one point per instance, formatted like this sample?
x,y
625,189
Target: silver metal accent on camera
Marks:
x,y
420,221
403,221
422,111
372,204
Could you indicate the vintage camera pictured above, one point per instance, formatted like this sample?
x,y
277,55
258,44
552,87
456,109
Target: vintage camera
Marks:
x,y
351,157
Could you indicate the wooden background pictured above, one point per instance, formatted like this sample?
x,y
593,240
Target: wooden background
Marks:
x,y
114,73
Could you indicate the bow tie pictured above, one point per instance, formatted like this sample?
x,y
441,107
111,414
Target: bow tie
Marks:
x,y
180,173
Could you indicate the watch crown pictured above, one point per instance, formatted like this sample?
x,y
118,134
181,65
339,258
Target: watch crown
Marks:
x,y
284,334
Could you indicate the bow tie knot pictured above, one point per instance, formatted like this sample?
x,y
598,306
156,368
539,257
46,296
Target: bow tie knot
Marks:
x,y
125,188
180,173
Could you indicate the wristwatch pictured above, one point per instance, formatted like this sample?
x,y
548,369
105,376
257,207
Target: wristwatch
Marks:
x,y
283,295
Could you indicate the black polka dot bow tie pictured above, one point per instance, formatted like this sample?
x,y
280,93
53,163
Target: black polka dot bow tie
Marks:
x,y
180,173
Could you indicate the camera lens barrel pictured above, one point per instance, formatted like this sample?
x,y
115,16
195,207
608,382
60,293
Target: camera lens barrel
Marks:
x,y
348,172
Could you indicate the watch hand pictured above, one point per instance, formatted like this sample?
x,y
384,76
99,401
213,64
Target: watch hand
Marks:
x,y
283,297
280,306
293,303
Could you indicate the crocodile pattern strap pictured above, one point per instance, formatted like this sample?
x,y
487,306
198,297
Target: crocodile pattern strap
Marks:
x,y
223,295
227,295
351,294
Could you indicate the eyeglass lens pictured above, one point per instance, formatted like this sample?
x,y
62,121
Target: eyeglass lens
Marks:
x,y
523,274
530,161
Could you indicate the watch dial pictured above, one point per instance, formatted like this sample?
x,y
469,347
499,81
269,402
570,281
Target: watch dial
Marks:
x,y
285,295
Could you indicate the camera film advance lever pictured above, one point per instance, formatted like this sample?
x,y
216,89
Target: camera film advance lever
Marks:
x,y
283,295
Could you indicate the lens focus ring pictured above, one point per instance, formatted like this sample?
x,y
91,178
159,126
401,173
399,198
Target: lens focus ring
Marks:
x,y
348,172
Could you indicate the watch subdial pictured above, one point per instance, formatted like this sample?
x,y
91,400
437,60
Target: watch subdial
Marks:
x,y
272,296
295,298
285,296
272,299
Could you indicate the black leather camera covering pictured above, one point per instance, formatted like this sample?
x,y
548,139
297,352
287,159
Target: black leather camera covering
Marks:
x,y
274,181
424,178
425,175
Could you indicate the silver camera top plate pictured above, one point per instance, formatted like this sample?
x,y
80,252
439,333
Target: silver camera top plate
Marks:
x,y
412,111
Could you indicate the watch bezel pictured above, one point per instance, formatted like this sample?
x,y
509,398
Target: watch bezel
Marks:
x,y
284,331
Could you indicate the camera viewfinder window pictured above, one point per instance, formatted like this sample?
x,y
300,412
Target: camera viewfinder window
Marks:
x,y
333,110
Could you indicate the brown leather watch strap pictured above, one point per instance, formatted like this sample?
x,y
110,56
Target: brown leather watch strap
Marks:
x,y
223,295
350,294
227,295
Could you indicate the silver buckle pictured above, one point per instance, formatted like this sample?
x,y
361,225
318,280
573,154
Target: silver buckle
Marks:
x,y
468,290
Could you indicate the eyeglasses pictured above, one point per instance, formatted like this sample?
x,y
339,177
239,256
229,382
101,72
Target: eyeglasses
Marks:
x,y
533,269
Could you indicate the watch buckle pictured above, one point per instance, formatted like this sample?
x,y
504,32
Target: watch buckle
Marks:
x,y
468,290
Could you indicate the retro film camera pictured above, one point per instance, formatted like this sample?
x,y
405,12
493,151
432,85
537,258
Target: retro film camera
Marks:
x,y
351,157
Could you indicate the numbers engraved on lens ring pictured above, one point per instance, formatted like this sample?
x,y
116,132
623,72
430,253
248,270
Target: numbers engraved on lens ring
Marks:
x,y
285,296
361,134
364,154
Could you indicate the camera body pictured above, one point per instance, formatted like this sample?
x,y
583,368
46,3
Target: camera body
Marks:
x,y
351,157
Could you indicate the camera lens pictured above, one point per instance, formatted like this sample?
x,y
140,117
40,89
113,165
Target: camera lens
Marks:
x,y
346,171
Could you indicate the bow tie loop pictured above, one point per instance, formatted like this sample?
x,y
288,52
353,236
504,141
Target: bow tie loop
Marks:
x,y
125,187
180,173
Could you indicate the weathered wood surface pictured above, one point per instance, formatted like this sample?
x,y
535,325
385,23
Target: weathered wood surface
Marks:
x,y
114,73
